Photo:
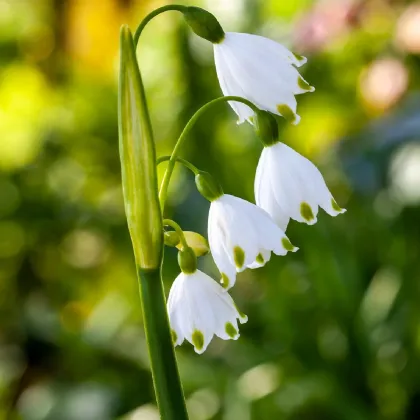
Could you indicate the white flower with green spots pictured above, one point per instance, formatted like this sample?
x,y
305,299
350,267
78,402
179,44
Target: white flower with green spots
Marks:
x,y
200,308
287,185
262,71
242,235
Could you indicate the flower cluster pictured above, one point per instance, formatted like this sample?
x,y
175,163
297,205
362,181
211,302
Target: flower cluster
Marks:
x,y
287,186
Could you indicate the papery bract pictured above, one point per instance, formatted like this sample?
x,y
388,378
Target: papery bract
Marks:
x,y
138,161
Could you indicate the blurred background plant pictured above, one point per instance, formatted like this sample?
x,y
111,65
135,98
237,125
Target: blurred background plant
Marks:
x,y
333,331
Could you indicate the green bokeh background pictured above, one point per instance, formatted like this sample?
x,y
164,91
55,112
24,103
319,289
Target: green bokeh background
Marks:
x,y
333,330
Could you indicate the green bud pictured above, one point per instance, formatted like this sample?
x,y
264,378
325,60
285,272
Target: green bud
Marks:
x,y
187,261
204,24
266,127
138,157
207,186
197,242
171,238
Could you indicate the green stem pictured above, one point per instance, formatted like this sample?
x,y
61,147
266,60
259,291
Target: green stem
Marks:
x,y
164,367
185,162
178,230
169,394
166,379
151,15
167,177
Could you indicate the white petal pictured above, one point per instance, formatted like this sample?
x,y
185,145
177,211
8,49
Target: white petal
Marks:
x,y
294,184
262,71
271,47
226,315
242,236
245,233
230,87
201,313
198,308
271,236
219,243
290,188
317,187
176,308
264,194
262,258
266,93
276,68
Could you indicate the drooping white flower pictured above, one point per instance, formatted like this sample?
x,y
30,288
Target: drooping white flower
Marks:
x,y
287,185
200,308
262,71
242,235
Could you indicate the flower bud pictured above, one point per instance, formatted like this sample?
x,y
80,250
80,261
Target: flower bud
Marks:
x,y
187,261
207,186
197,242
266,127
171,238
138,157
204,24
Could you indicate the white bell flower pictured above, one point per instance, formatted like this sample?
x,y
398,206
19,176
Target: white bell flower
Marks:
x,y
242,235
199,308
287,185
262,71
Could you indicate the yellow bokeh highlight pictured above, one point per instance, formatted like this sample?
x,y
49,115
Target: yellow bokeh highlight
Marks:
x,y
24,94
321,127
93,34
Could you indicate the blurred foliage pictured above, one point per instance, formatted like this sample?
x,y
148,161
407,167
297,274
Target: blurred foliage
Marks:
x,y
333,330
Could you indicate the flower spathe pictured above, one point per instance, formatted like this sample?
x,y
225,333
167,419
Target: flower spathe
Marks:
x,y
242,235
200,308
287,185
262,71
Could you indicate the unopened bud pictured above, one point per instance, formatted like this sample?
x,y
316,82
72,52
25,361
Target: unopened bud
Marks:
x,y
207,186
266,127
204,24
171,238
196,242
187,261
